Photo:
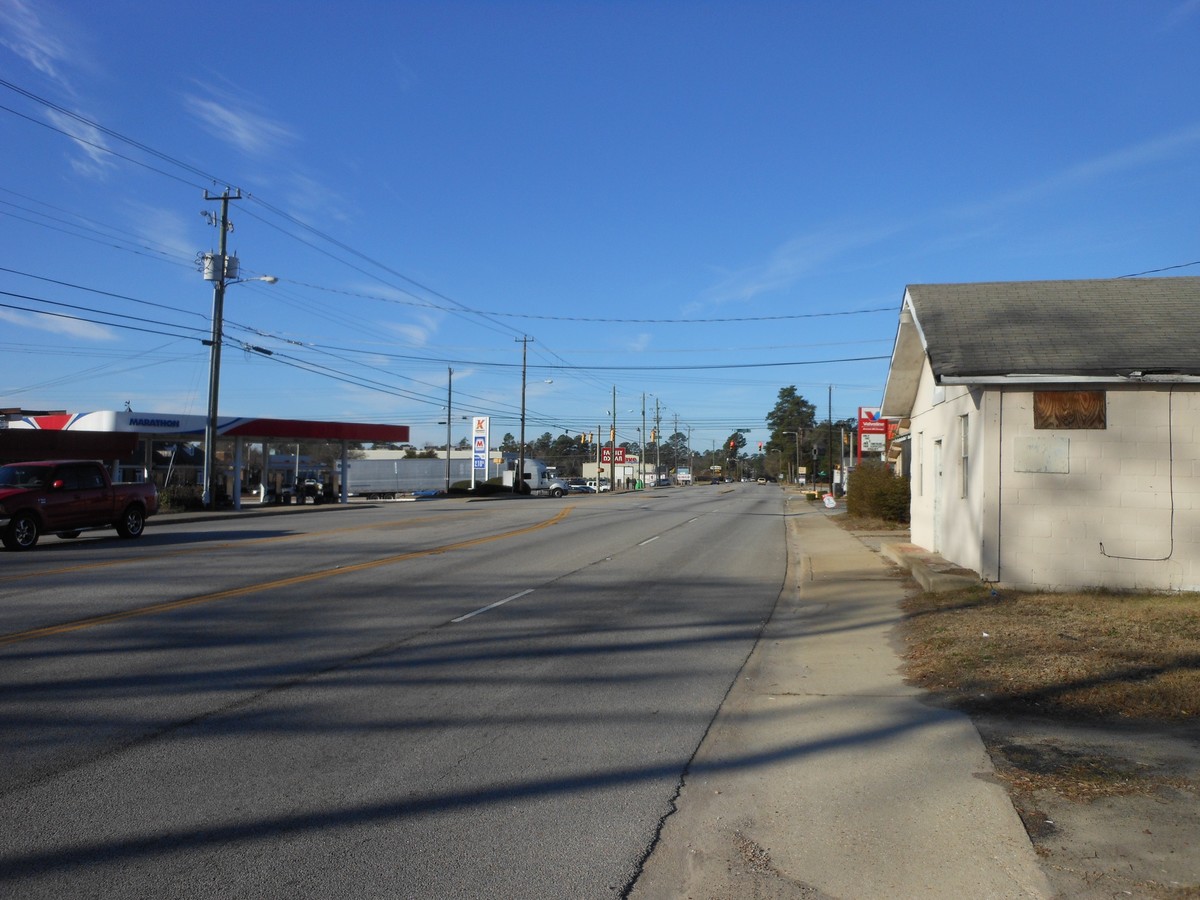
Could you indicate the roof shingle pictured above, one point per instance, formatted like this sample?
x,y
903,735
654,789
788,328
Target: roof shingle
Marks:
x,y
1093,328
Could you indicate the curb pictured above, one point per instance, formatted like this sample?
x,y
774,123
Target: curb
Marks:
x,y
931,571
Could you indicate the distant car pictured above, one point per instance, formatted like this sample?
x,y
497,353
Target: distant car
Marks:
x,y
663,482
762,481
580,489
716,481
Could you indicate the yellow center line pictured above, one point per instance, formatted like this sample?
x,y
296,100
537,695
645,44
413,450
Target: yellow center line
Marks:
x,y
93,621
208,548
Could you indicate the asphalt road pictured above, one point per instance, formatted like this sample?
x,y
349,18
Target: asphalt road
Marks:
x,y
446,699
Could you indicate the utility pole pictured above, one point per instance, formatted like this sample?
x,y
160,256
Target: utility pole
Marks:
x,y
209,498
644,444
657,441
612,446
449,414
519,481
831,491
675,445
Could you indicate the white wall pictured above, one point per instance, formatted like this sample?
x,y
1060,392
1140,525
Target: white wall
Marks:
x,y
956,531
1125,514
1116,507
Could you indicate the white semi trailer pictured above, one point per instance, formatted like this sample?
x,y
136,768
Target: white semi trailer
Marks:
x,y
386,479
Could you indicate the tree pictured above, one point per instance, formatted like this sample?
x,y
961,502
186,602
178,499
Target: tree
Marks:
x,y
791,413
792,422
676,445
540,448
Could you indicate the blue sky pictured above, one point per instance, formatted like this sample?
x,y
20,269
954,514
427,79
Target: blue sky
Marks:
x,y
701,203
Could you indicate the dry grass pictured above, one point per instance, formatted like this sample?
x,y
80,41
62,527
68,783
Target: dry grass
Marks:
x,y
1075,774
1090,655
868,523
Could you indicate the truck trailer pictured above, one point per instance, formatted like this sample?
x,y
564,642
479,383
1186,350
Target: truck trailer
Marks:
x,y
386,479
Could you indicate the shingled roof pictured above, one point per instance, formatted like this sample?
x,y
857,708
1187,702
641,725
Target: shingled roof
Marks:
x,y
1093,328
1062,330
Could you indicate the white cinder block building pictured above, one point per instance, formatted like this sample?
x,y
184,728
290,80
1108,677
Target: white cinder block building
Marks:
x,y
1051,430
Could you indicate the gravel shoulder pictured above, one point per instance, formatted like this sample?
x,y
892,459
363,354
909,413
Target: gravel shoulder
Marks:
x,y
1111,809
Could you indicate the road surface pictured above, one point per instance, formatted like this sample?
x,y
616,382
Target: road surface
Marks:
x,y
446,699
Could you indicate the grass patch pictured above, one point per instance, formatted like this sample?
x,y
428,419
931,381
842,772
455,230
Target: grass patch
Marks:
x,y
1086,655
851,522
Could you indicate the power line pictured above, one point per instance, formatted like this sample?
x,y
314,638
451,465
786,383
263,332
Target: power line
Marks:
x,y
145,148
102,293
1163,269
418,303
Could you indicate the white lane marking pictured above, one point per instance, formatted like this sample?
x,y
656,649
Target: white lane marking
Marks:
x,y
484,609
650,541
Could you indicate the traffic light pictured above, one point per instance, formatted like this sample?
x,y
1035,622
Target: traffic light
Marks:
x,y
733,445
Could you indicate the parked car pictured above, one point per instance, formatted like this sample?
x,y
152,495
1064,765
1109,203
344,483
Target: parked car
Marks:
x,y
64,496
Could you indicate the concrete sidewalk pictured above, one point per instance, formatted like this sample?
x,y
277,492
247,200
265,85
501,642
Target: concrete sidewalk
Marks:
x,y
824,775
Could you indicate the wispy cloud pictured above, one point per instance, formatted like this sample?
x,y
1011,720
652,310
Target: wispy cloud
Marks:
x,y
165,230
794,260
233,120
1179,14
1087,171
96,161
639,342
313,200
23,31
41,36
58,325
416,333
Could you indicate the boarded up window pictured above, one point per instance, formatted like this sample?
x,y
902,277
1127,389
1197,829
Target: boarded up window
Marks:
x,y
1069,409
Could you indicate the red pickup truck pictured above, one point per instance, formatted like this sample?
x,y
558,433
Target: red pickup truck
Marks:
x,y
64,496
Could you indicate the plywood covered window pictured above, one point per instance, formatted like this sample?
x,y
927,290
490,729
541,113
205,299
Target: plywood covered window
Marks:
x,y
1070,409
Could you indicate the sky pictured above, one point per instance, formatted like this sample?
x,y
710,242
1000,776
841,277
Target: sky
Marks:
x,y
686,205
